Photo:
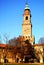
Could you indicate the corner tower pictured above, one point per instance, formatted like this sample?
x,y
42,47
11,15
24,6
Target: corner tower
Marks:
x,y
27,25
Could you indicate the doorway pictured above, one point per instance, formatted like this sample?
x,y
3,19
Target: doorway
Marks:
x,y
26,59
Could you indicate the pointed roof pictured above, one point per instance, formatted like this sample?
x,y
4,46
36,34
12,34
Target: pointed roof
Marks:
x,y
27,6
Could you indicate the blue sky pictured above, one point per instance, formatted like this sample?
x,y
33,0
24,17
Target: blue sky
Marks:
x,y
11,18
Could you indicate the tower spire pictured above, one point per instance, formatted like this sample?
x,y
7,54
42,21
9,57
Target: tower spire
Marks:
x,y
27,6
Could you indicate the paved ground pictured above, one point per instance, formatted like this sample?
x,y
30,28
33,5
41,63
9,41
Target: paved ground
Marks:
x,y
22,64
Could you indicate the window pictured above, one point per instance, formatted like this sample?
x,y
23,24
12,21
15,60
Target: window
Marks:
x,y
26,36
26,17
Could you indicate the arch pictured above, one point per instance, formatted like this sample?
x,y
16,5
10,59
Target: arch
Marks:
x,y
26,17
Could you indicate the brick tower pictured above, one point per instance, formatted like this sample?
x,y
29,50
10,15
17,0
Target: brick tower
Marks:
x,y
27,25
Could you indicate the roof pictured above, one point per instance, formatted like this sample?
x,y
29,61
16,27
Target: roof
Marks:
x,y
38,44
27,7
2,45
9,46
5,45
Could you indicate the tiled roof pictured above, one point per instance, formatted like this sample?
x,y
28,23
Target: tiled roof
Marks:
x,y
5,45
38,45
9,46
2,45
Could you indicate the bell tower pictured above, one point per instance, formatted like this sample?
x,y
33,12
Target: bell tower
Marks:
x,y
27,25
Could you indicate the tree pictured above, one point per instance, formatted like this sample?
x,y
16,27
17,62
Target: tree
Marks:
x,y
29,49
0,39
24,48
16,41
12,41
6,38
41,40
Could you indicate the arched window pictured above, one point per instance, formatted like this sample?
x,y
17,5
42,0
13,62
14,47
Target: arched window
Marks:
x,y
26,17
